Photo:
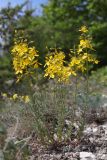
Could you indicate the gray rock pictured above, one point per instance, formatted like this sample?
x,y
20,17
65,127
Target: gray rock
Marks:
x,y
87,156
102,156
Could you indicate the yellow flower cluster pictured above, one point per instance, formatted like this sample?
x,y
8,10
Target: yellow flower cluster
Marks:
x,y
15,97
82,56
90,58
77,64
24,58
85,43
55,63
83,29
55,67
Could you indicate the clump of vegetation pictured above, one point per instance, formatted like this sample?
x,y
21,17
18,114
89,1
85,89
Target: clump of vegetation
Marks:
x,y
53,93
11,147
51,116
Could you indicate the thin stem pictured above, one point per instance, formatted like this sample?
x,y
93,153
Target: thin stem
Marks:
x,y
87,83
76,89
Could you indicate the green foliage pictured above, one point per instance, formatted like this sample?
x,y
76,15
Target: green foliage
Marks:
x,y
99,33
64,16
11,148
59,111
100,77
48,107
11,19
36,30
6,72
8,21
56,27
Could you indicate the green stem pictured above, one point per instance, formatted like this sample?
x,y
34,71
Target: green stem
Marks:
x,y
87,83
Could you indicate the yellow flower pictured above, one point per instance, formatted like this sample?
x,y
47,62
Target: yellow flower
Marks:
x,y
26,99
77,64
90,58
96,61
85,43
4,95
54,64
64,74
15,96
20,48
83,29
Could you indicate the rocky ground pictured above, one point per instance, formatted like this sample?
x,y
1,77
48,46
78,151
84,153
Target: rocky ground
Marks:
x,y
92,146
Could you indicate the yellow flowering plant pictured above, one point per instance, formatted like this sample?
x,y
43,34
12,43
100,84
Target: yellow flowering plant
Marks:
x,y
25,60
57,67
25,57
85,46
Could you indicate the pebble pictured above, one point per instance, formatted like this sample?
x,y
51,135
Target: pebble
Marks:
x,y
87,156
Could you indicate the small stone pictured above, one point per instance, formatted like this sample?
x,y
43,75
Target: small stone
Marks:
x,y
95,130
58,156
87,156
104,157
91,139
88,130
